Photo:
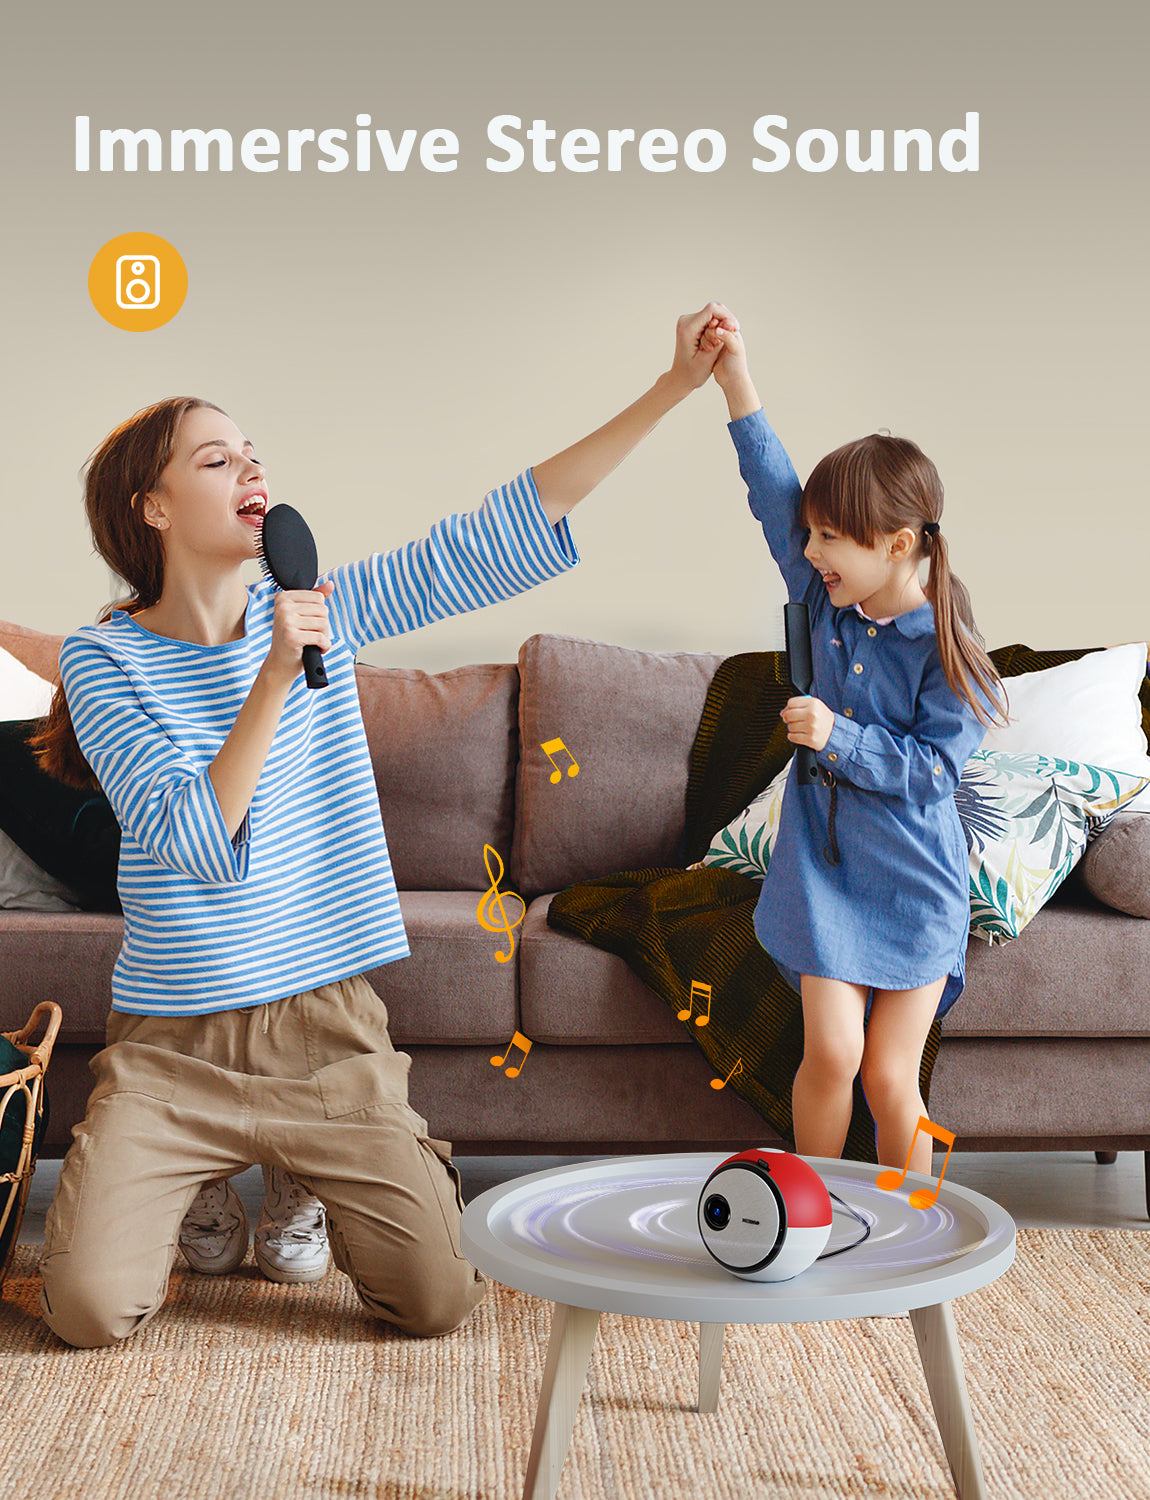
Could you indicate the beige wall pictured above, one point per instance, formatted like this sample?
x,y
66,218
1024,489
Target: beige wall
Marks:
x,y
397,344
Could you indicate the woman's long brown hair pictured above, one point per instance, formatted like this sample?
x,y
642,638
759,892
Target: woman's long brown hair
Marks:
x,y
122,470
878,485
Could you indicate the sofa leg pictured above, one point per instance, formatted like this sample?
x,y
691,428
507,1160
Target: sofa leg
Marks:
x,y
1105,1158
1146,1170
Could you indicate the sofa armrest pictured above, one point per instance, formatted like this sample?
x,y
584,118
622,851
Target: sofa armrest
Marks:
x,y
1116,866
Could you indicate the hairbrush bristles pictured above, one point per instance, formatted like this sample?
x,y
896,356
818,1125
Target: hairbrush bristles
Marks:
x,y
265,566
286,550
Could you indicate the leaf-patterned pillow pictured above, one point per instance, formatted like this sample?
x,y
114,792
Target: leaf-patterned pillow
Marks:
x,y
745,844
1027,820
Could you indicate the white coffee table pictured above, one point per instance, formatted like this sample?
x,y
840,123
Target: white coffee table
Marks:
x,y
620,1235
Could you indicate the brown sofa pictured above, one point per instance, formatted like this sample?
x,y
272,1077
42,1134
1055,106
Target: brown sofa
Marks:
x,y
1049,1048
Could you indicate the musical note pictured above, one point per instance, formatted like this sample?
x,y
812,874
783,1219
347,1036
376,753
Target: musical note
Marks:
x,y
557,773
524,1044
699,992
721,1083
495,897
921,1197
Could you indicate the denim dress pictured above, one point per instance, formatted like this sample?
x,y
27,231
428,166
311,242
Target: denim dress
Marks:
x,y
894,912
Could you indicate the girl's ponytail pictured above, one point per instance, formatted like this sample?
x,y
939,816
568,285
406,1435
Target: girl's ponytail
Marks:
x,y
123,469
965,663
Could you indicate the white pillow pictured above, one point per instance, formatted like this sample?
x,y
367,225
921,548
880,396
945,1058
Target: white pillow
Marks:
x,y
24,886
1085,710
23,695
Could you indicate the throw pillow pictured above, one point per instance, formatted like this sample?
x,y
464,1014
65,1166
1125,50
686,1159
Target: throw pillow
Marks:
x,y
1027,820
1086,711
745,845
70,833
24,886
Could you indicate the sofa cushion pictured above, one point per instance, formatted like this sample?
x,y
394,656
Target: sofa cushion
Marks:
x,y
1116,866
61,956
443,748
1077,971
629,719
573,994
452,988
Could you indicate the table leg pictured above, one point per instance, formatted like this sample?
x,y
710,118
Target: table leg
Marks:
x,y
568,1355
710,1364
942,1364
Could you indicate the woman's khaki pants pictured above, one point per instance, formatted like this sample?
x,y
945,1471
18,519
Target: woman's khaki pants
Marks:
x,y
310,1083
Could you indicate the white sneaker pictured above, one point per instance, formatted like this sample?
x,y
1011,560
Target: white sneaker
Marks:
x,y
291,1240
214,1234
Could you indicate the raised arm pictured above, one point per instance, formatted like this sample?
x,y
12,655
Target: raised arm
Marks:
x,y
773,488
731,370
564,480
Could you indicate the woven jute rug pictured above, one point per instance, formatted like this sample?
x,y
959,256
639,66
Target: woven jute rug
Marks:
x,y
242,1388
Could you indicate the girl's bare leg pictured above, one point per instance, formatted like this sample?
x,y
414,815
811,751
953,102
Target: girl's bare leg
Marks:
x,y
895,1036
832,1049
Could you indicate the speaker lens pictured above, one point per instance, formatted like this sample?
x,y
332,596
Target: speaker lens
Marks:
x,y
717,1212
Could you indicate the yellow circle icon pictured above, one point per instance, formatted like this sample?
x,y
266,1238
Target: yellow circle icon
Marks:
x,y
137,282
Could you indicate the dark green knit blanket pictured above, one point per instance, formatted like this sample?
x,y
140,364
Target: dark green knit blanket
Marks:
x,y
675,927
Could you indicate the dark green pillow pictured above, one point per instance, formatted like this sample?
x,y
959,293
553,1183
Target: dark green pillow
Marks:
x,y
70,832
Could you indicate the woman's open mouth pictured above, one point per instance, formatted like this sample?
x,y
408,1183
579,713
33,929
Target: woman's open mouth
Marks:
x,y
253,510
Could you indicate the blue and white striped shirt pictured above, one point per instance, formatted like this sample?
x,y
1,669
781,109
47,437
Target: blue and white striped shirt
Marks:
x,y
304,894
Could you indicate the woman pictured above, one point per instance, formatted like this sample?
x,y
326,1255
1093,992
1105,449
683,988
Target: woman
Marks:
x,y
254,873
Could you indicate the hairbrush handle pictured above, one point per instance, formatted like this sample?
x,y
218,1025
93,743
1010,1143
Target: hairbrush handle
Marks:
x,y
314,671
801,670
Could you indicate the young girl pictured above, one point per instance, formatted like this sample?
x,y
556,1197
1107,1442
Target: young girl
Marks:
x,y
254,873
865,907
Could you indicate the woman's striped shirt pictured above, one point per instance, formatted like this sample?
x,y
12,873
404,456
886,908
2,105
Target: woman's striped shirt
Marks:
x,y
304,894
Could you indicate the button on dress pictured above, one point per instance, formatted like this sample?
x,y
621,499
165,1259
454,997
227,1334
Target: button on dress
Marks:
x,y
894,913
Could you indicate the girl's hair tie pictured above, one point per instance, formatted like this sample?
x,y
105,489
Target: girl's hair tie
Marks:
x,y
931,528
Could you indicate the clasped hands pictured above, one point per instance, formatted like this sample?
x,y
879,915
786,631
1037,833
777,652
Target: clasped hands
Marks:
x,y
709,343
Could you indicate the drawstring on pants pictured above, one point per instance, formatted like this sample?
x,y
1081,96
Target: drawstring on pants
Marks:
x,y
831,847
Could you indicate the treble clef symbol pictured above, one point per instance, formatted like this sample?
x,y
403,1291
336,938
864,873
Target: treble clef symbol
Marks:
x,y
495,897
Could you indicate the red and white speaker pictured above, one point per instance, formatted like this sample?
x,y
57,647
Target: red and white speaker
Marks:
x,y
765,1214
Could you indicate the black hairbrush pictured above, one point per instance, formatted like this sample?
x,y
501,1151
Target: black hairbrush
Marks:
x,y
288,557
801,669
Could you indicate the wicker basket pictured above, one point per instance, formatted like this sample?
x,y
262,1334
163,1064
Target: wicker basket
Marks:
x,y
24,1088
